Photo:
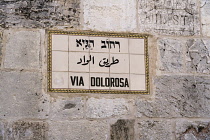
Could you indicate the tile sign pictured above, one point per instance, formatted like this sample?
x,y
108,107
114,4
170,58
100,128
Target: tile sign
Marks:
x,y
89,62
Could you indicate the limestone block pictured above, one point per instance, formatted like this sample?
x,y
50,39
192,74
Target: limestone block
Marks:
x,y
154,130
192,130
205,17
171,55
102,108
198,55
169,17
78,130
21,96
67,108
122,130
28,130
1,45
2,130
109,15
22,50
177,96
39,13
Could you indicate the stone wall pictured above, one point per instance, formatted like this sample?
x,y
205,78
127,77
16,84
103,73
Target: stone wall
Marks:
x,y
178,107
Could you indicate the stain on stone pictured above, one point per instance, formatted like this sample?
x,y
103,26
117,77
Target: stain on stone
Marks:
x,y
69,106
122,130
196,132
26,130
39,13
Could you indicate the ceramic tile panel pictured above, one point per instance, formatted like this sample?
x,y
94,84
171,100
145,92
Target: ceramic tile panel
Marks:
x,y
80,43
78,80
59,61
99,81
118,45
60,80
119,63
137,82
101,44
60,42
101,62
80,61
120,81
137,64
136,46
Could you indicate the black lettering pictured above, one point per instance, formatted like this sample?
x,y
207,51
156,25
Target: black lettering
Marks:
x,y
81,82
98,81
122,82
73,80
92,81
126,82
107,81
117,82
102,82
112,82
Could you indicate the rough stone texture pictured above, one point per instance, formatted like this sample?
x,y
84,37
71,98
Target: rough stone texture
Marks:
x,y
154,130
28,130
198,55
109,15
2,130
39,13
1,45
169,17
67,108
171,55
22,50
78,130
122,130
102,108
21,97
205,17
192,130
178,96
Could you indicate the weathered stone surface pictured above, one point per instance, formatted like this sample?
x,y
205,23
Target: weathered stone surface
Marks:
x,y
171,55
1,45
67,108
22,50
28,130
178,96
102,108
154,130
205,17
2,130
169,17
122,130
198,55
192,130
78,130
39,13
21,97
109,15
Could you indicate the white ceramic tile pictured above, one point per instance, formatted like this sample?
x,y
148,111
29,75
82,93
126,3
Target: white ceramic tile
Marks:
x,y
59,79
80,43
79,61
101,61
137,64
60,42
119,45
99,81
119,81
78,80
136,46
100,44
137,82
59,61
119,63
